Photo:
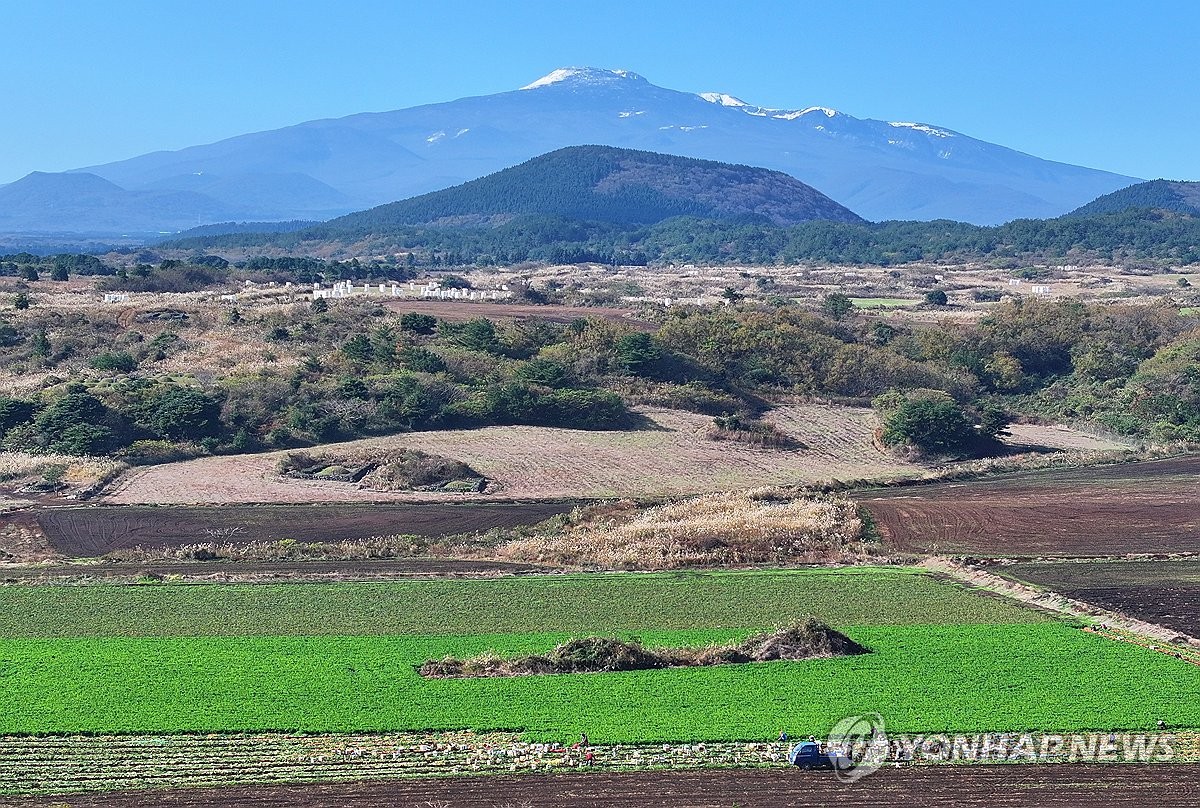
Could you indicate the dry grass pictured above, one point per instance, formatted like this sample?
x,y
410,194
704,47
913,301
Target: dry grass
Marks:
x,y
747,527
79,474
766,525
376,547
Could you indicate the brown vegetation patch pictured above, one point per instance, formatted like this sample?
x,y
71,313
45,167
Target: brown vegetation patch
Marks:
x,y
747,527
753,432
805,639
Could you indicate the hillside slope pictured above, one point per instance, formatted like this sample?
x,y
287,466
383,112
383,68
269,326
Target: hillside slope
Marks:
x,y
1180,197
600,183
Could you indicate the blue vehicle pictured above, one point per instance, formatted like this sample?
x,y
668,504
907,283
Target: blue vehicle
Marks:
x,y
809,755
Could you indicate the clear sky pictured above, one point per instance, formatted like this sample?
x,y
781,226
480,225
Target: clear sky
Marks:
x,y
1110,84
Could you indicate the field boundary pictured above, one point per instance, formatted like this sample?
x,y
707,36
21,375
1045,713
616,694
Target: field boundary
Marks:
x,y
1111,624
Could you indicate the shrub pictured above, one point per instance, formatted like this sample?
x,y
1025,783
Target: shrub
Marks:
x,y
418,323
837,305
119,361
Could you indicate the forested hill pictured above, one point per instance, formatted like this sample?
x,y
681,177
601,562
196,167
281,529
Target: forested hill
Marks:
x,y
1133,234
604,184
1180,197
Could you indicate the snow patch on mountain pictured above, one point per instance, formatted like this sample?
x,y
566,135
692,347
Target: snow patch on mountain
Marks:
x,y
582,75
723,99
922,127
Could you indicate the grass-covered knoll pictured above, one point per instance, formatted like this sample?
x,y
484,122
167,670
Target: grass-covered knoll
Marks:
x,y
592,604
920,678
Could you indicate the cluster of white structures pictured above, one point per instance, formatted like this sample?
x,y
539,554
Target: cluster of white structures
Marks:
x,y
343,289
115,297
1036,288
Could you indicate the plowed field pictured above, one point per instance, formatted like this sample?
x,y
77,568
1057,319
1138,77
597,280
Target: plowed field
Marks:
x,y
1070,786
94,531
1162,592
1099,511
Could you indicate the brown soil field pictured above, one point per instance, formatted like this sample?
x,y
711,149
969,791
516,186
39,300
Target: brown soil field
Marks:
x,y
455,310
1134,508
1166,592
91,531
1066,785
673,456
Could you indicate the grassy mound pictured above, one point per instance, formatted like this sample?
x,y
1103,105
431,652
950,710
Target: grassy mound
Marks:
x,y
806,639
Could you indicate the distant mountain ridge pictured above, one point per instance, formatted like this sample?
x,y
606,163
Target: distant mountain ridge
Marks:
x,y
86,203
606,184
1172,195
315,170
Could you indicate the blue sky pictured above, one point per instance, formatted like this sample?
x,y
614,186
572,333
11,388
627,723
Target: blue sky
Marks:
x,y
1103,83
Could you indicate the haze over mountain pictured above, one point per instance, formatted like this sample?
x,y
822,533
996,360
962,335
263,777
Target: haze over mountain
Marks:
x,y
879,169
605,184
1172,195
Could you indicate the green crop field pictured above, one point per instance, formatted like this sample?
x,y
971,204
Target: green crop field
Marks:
x,y
340,657
564,603
882,302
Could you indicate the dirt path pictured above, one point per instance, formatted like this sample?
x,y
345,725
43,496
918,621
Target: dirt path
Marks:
x,y
1008,786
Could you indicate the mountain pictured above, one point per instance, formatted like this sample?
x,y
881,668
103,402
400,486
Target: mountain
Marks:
x,y
880,169
605,184
1180,197
86,203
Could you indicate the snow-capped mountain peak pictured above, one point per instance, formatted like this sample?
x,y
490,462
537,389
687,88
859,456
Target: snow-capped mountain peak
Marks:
x,y
583,76
879,169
